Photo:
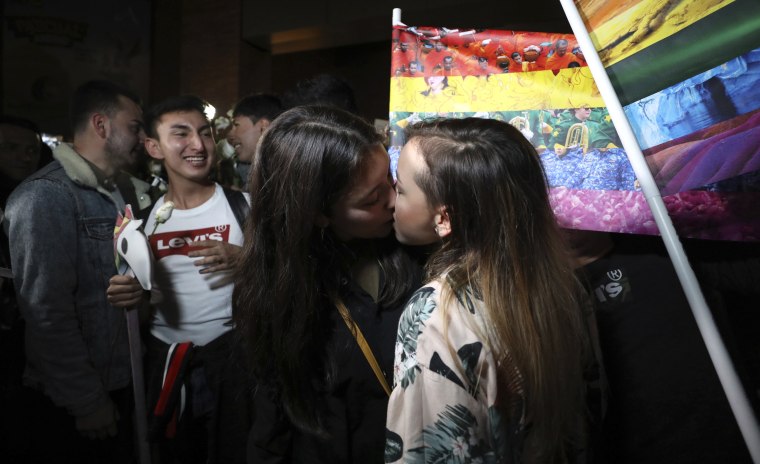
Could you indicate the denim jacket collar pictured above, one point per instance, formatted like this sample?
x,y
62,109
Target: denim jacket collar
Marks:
x,y
80,172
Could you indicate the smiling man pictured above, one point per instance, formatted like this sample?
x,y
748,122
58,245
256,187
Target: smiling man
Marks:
x,y
194,252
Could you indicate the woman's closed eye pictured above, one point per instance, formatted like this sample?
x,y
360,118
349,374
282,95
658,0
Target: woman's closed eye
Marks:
x,y
371,199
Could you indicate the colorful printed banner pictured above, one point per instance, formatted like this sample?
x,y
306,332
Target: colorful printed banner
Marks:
x,y
691,83
540,83
620,29
682,39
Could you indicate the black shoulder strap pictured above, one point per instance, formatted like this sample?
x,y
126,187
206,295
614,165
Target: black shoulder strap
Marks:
x,y
239,205
129,194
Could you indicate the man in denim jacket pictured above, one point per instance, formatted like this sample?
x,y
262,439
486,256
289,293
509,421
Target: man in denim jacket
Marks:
x,y
61,234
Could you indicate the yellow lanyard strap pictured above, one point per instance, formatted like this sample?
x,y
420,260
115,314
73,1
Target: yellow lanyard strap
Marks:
x,y
354,329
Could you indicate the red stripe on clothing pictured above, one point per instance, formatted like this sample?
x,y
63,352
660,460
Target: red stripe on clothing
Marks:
x,y
171,377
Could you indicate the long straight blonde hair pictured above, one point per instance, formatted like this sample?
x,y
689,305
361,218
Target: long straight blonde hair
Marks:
x,y
506,247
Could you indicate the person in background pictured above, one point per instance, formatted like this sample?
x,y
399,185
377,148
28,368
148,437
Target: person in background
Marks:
x,y
666,403
20,155
322,89
320,266
250,118
61,222
490,361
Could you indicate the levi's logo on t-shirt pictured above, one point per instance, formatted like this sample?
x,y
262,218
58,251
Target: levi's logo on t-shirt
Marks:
x,y
178,242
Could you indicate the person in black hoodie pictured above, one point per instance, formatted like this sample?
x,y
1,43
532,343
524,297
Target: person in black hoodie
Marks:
x,y
666,404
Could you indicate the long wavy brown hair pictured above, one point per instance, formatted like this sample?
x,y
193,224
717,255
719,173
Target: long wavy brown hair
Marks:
x,y
289,267
505,246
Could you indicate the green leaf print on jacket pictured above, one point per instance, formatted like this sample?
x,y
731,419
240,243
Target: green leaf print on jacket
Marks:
x,y
467,298
417,311
468,357
451,439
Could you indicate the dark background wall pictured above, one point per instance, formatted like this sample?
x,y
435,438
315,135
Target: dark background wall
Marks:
x,y
220,50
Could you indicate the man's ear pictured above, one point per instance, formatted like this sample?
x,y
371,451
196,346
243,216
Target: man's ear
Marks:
x,y
442,222
153,149
99,121
264,123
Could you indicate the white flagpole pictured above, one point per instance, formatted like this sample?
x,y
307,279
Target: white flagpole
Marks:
x,y
737,398
397,17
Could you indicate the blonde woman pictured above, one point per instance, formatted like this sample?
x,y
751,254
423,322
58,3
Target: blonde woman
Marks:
x,y
489,353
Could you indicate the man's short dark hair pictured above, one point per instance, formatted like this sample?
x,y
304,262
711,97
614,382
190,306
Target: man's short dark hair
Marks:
x,y
177,104
322,89
97,96
8,120
257,106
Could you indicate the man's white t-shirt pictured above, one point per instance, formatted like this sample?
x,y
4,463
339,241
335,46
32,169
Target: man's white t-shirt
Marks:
x,y
188,305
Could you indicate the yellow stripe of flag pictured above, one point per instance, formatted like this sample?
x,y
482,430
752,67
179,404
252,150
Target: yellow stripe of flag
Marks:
x,y
570,88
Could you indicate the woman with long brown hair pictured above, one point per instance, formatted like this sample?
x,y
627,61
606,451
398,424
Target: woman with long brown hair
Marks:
x,y
320,269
